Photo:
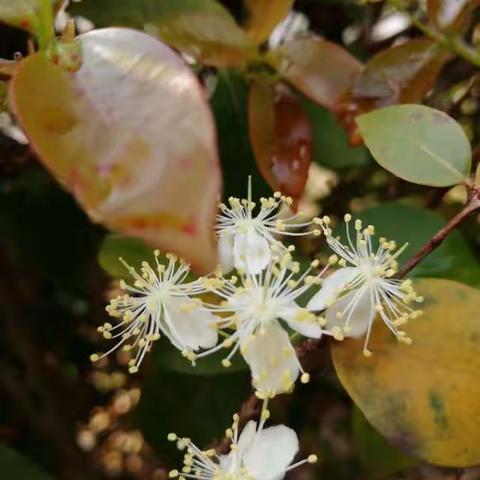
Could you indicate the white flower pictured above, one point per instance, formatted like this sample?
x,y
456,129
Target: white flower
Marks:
x,y
364,286
245,238
258,453
159,302
253,306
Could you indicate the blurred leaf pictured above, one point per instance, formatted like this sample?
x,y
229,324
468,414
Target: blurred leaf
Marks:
x,y
417,143
198,407
280,135
321,70
423,397
14,466
171,360
21,13
133,250
400,74
450,15
330,141
203,29
229,104
131,136
406,224
377,457
264,16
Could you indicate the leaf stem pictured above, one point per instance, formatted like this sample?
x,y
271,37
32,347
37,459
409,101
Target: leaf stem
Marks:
x,y
472,205
450,42
46,29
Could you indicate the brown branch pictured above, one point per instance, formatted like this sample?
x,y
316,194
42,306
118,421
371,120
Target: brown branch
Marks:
x,y
472,205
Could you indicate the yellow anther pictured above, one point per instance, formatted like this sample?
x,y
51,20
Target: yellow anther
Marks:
x,y
333,259
305,378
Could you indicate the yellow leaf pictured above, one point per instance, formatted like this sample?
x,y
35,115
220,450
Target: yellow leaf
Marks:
x,y
131,136
264,16
425,398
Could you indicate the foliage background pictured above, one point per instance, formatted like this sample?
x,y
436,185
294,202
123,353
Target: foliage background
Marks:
x,y
61,417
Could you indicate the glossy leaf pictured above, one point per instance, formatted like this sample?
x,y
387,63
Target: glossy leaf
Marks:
x,y
280,136
417,143
15,466
423,397
400,74
450,14
131,136
203,29
453,259
321,70
264,16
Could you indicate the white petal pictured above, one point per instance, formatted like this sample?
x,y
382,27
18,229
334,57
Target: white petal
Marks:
x,y
251,252
190,327
293,316
272,359
331,287
246,437
361,315
225,251
272,451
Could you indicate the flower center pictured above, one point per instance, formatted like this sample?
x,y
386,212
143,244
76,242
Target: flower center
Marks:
x,y
159,294
244,224
254,304
371,271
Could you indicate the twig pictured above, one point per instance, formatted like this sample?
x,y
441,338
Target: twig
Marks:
x,y
472,205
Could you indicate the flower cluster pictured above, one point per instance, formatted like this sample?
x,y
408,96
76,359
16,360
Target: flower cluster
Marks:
x,y
254,304
254,301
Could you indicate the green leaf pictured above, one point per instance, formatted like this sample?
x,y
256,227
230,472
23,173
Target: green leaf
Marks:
x,y
406,224
229,104
197,407
171,360
138,172
14,466
330,141
423,397
133,250
417,143
377,457
203,29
